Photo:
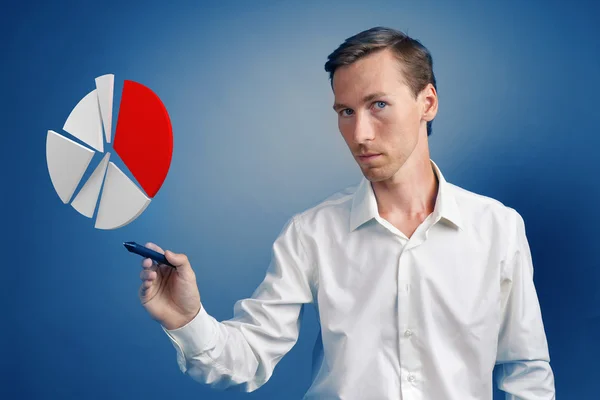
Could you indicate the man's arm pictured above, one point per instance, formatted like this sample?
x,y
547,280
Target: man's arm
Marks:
x,y
524,372
242,352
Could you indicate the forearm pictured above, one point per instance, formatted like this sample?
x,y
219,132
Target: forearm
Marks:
x,y
523,355
242,352
215,354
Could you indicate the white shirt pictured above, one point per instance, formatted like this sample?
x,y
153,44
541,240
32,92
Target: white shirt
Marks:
x,y
425,318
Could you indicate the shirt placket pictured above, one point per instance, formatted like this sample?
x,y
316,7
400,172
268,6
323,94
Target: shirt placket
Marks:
x,y
411,378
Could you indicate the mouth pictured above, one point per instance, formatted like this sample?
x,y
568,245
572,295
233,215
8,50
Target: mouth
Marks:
x,y
368,156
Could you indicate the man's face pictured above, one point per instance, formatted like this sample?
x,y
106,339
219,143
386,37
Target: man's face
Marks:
x,y
378,115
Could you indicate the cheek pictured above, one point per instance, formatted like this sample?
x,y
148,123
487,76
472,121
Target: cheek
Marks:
x,y
395,133
345,127
398,123
388,127
412,117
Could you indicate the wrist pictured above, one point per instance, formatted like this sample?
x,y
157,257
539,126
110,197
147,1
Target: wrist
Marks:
x,y
180,321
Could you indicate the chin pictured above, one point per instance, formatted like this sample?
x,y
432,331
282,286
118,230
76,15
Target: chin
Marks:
x,y
382,173
377,178
376,174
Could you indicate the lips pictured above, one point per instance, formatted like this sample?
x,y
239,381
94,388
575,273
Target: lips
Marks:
x,y
368,156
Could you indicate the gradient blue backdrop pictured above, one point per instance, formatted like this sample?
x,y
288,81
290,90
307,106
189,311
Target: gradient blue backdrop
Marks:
x,y
255,141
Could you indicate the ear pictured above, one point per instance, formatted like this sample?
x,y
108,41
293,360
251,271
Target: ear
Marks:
x,y
429,102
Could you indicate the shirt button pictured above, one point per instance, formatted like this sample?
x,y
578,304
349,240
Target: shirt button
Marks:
x,y
408,333
411,378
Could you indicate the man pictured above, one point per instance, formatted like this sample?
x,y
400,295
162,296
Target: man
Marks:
x,y
421,287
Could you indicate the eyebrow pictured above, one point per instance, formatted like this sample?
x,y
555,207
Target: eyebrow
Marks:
x,y
365,99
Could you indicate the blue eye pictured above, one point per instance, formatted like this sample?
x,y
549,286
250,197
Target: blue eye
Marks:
x,y
347,112
380,104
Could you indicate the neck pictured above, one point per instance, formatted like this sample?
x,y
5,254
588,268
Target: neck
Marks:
x,y
412,191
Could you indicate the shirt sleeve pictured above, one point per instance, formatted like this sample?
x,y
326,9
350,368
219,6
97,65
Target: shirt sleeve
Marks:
x,y
241,353
524,371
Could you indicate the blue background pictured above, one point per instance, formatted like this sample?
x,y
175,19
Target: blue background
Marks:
x,y
255,141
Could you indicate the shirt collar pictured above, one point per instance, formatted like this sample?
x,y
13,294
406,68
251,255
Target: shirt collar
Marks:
x,y
364,203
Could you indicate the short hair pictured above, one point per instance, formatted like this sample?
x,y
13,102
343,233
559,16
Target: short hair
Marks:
x,y
415,60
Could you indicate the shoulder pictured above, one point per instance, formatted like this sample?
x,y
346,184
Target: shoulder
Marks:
x,y
496,226
479,210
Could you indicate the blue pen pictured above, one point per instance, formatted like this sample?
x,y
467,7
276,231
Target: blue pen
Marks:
x,y
146,252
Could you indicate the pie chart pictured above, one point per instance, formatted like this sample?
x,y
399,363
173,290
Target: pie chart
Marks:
x,y
143,141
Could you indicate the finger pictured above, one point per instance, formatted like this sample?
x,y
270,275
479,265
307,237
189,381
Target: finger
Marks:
x,y
180,261
144,288
148,275
146,285
154,247
148,263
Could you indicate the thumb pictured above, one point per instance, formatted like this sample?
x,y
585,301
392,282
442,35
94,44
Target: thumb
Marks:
x,y
179,260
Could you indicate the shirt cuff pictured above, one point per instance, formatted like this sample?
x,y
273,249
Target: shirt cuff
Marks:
x,y
196,336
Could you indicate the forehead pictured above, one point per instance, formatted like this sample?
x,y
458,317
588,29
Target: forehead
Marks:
x,y
377,72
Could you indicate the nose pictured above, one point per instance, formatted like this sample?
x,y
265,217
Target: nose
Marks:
x,y
363,130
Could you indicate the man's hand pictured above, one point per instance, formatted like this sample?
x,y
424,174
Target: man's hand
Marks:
x,y
170,295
